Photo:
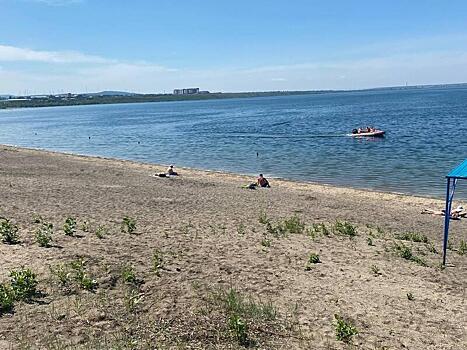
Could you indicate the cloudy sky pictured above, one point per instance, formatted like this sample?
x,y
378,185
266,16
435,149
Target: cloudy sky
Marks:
x,y
221,45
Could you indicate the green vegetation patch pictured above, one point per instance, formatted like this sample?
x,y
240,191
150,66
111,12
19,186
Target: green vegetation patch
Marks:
x,y
8,232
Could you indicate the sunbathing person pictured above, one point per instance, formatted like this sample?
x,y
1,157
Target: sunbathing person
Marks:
x,y
170,171
262,182
457,213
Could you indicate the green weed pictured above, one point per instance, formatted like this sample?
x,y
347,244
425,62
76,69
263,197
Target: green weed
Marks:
x,y
101,231
462,248
85,226
241,230
7,298
263,219
413,236
69,228
239,328
43,234
128,274
344,228
9,232
312,259
23,284
406,253
157,262
37,219
344,329
410,296
266,242
80,275
294,225
128,225
369,241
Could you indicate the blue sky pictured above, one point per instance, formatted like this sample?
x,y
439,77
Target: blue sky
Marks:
x,y
156,46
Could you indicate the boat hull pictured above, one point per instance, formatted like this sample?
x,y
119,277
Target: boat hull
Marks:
x,y
376,133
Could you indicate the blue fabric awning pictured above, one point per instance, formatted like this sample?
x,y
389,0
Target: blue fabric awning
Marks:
x,y
459,172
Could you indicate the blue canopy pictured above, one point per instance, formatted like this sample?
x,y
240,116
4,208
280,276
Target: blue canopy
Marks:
x,y
459,172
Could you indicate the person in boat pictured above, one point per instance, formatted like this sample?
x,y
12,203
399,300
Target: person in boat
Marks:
x,y
262,182
170,171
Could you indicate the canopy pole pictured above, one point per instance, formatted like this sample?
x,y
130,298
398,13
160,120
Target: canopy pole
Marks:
x,y
447,214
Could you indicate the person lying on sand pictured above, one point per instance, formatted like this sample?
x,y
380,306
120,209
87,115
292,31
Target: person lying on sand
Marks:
x,y
457,213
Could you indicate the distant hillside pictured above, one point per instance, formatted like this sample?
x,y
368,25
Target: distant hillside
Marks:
x,y
112,93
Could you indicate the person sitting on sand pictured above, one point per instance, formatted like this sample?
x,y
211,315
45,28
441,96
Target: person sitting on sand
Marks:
x,y
262,182
170,171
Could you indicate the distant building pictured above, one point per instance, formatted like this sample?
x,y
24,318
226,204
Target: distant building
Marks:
x,y
188,91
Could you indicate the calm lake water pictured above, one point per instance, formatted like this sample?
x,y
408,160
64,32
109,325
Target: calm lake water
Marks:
x,y
296,137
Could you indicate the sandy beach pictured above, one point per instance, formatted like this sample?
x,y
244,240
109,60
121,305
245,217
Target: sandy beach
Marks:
x,y
218,266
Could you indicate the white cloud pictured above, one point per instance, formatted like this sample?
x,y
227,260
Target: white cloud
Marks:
x,y
15,54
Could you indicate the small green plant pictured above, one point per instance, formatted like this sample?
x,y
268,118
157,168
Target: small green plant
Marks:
x,y
80,275
157,262
23,283
318,229
266,242
294,225
44,234
128,274
375,270
410,296
312,259
413,236
263,219
85,226
462,248
369,241
344,329
9,232
128,225
344,228
101,231
406,253
62,274
241,230
432,249
132,299
70,226
239,328
7,299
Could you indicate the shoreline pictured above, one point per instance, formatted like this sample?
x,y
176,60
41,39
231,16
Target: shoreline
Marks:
x,y
247,177
200,239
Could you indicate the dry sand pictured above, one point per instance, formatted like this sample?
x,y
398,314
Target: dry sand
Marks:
x,y
205,228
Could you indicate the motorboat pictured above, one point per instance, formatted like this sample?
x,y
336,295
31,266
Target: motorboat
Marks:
x,y
374,133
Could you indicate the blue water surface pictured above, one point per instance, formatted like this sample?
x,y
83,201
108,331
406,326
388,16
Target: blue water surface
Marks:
x,y
296,137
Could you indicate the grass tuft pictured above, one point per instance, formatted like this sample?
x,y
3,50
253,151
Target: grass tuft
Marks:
x,y
8,232
344,329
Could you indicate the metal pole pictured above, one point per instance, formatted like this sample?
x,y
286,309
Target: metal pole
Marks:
x,y
447,217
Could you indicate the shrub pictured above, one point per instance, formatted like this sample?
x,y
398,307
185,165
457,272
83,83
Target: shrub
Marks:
x,y
8,231
23,283
85,226
70,226
7,299
128,225
344,228
44,234
344,329
413,236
